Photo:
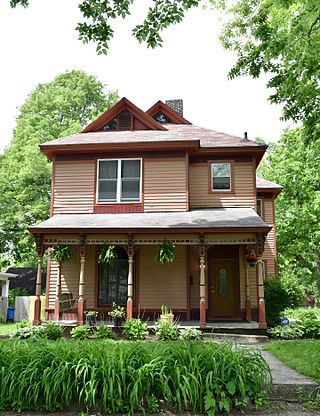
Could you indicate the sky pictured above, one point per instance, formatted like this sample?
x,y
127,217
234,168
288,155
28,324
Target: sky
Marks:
x,y
41,42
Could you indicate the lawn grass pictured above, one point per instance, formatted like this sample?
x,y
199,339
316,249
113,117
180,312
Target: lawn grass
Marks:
x,y
6,329
302,356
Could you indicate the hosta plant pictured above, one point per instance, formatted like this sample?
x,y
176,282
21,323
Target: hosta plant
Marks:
x,y
191,334
166,331
81,332
103,332
135,330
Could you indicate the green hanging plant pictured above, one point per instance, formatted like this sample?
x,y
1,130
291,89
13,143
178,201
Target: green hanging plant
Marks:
x,y
61,253
108,254
165,254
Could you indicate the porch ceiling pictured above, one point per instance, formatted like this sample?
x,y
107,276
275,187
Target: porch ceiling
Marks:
x,y
204,220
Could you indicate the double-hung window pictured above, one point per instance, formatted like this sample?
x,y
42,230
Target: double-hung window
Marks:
x,y
119,181
221,180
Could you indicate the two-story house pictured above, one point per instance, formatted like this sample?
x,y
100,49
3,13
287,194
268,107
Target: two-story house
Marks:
x,y
133,179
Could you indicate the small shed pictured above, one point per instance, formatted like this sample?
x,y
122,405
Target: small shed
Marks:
x,y
4,290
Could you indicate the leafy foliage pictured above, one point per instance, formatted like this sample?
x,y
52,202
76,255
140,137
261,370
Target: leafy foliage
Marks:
x,y
61,253
280,38
117,311
294,163
135,330
278,297
52,110
165,254
166,331
191,334
49,331
13,293
103,332
286,332
302,313
81,332
108,254
182,376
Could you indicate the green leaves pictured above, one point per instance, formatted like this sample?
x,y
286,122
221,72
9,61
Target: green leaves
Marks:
x,y
58,108
61,253
108,254
165,254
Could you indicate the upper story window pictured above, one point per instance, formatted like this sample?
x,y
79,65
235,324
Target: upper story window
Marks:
x,y
119,180
259,207
221,177
161,118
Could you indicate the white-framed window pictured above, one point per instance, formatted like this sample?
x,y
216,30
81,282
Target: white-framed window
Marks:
x,y
259,207
119,180
221,180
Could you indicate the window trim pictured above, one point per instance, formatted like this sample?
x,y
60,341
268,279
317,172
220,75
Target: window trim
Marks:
x,y
210,182
119,182
262,207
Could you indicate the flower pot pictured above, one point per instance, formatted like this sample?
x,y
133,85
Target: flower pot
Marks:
x,y
164,318
117,320
170,318
252,263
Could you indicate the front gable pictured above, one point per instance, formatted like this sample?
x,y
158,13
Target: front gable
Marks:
x,y
162,113
122,117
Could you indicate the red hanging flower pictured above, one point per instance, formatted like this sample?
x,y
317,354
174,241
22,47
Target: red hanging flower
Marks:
x,y
250,258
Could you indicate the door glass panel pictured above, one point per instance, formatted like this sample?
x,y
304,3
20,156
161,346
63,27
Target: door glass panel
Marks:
x,y
223,283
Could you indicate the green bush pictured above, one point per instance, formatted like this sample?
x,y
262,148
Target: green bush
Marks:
x,y
129,377
310,328
302,313
13,293
190,334
52,331
81,332
26,330
166,331
103,332
291,331
278,297
135,330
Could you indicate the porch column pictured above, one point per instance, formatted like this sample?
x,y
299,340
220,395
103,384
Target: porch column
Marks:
x,y
81,279
130,278
37,303
247,292
262,307
56,314
202,323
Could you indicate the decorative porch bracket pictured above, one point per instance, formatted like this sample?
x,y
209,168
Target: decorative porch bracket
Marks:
x,y
262,307
130,251
37,303
81,279
202,252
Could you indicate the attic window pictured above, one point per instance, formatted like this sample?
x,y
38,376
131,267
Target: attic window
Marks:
x,y
162,118
125,120
112,125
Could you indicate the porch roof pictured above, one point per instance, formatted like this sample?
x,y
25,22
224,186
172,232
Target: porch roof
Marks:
x,y
204,220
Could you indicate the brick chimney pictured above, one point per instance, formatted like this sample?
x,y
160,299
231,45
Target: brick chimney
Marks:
x,y
176,105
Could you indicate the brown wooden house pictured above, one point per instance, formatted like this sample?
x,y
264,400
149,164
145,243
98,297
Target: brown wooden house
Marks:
x,y
133,179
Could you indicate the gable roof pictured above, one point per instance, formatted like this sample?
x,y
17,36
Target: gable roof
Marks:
x,y
159,106
110,114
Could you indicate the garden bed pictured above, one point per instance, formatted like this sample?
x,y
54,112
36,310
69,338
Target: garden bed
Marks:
x,y
129,377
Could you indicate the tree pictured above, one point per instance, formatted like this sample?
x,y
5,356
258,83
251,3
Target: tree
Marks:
x,y
277,37
52,110
294,163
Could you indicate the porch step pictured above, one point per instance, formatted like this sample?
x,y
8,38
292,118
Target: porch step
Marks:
x,y
242,339
234,330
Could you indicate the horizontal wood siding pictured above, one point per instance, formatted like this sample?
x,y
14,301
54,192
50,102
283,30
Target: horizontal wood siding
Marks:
x,y
243,196
54,270
269,248
73,187
162,284
165,184
252,282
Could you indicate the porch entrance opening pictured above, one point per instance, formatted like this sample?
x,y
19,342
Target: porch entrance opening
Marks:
x,y
223,282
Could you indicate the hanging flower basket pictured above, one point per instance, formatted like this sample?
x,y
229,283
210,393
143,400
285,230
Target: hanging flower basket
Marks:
x,y
251,259
165,254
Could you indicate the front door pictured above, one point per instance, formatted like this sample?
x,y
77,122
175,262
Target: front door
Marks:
x,y
222,288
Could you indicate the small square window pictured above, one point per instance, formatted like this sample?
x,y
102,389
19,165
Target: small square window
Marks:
x,y
221,177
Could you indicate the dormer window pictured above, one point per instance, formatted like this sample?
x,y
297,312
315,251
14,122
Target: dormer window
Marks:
x,y
221,177
162,118
112,125
122,122
119,181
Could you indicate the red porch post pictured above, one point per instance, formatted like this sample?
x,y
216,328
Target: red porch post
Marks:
x,y
81,279
247,292
37,303
202,284
130,278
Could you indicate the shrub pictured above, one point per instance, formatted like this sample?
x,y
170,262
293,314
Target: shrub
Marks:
x,y
190,334
128,378
291,331
52,331
103,332
13,293
166,331
80,332
278,297
135,330
310,328
302,313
